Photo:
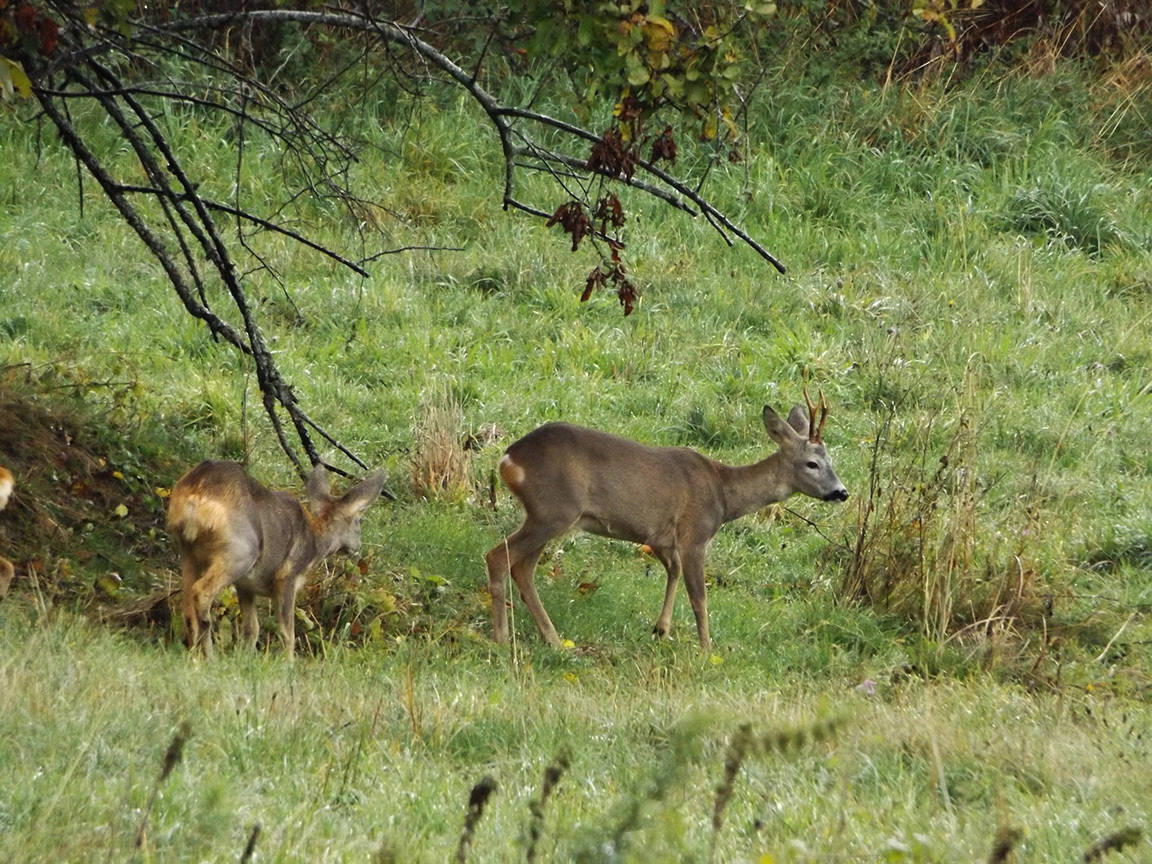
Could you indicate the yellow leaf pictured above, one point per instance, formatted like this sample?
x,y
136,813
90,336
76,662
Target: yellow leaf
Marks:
x,y
120,510
570,677
715,659
163,491
12,75
618,108
658,33
305,619
567,644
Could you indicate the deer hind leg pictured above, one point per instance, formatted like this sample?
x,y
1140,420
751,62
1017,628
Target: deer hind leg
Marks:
x,y
694,582
498,571
249,620
670,558
7,574
192,626
518,556
522,574
200,592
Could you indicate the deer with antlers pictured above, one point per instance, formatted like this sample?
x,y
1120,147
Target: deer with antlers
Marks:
x,y
671,499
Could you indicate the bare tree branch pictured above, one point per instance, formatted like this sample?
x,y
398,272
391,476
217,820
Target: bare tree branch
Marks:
x,y
498,114
104,65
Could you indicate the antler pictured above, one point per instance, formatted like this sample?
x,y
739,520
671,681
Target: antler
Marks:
x,y
816,430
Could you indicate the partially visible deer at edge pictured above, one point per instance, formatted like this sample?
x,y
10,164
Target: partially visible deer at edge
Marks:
x,y
7,571
672,499
232,531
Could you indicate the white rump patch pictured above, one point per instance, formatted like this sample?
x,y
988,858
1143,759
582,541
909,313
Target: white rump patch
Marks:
x,y
512,473
199,515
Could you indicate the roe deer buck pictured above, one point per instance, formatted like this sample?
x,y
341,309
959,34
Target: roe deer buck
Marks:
x,y
7,571
671,499
233,531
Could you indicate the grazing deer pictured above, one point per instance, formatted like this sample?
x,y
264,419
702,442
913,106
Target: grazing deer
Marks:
x,y
233,531
671,499
7,571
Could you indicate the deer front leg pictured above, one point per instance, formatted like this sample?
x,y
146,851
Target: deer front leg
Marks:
x,y
284,600
694,583
670,558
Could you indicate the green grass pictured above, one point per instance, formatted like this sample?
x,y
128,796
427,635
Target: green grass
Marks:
x,y
335,757
969,275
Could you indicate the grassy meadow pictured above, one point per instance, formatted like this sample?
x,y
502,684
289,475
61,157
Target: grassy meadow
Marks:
x,y
957,657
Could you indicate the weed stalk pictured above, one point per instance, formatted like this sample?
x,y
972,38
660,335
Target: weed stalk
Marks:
x,y
552,775
172,757
477,800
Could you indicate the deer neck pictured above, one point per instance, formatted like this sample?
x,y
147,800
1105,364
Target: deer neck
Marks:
x,y
750,487
318,542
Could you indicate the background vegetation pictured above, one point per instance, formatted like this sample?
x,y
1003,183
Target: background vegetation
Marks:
x,y
955,664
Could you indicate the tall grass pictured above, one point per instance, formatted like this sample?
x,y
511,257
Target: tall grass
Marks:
x,y
326,759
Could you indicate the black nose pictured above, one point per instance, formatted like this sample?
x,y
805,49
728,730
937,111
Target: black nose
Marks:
x,y
838,495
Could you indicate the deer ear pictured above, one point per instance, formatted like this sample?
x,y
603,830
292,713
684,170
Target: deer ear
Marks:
x,y
318,488
362,494
784,433
798,420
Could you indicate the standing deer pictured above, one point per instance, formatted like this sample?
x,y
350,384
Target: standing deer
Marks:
x,y
7,571
233,531
671,499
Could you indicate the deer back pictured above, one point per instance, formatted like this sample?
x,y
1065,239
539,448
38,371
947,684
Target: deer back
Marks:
x,y
217,509
611,485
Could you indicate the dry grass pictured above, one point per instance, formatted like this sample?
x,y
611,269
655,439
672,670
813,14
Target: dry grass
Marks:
x,y
926,548
441,465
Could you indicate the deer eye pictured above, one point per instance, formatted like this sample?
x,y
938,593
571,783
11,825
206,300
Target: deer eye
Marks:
x,y
813,465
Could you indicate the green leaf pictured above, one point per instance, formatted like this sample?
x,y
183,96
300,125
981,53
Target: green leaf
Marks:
x,y
585,31
637,76
674,84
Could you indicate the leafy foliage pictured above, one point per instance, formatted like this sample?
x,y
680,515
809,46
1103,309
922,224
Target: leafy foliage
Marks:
x,y
647,56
